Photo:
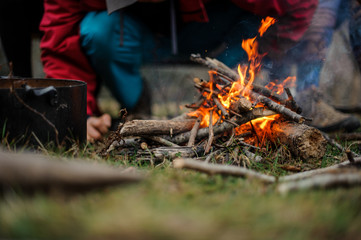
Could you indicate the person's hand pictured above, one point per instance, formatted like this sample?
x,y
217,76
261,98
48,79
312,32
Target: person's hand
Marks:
x,y
97,127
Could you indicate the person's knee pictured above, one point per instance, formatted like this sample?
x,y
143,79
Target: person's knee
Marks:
x,y
96,28
111,36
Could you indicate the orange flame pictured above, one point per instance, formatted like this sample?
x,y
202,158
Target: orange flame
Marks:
x,y
265,24
279,88
242,87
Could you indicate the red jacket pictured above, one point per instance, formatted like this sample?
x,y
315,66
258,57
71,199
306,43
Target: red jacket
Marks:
x,y
62,56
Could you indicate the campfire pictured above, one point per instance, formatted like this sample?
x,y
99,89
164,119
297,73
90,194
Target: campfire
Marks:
x,y
231,109
234,125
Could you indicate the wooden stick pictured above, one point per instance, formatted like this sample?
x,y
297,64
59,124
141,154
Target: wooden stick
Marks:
x,y
155,127
158,154
220,107
279,108
322,181
209,157
194,131
211,134
333,143
291,103
197,104
160,140
227,170
311,173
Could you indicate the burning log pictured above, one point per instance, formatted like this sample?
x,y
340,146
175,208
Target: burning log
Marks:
x,y
279,108
303,141
223,127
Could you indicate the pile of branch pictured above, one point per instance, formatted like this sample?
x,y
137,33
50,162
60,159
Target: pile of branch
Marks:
x,y
191,146
156,139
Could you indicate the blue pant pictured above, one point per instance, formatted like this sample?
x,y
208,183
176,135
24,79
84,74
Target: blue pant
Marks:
x,y
118,44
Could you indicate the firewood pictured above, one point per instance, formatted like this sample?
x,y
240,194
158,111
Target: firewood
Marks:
x,y
155,127
220,107
286,112
291,103
158,154
227,170
210,135
223,127
194,131
241,105
162,141
218,66
302,140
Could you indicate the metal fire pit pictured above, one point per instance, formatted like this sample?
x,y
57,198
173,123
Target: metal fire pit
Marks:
x,y
39,111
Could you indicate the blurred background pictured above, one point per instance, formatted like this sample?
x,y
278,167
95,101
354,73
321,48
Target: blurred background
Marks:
x,y
172,84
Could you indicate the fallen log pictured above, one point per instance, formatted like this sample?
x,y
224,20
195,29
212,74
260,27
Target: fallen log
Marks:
x,y
303,141
32,172
155,127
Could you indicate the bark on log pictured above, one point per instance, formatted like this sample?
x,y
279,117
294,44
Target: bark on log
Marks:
x,y
155,127
302,140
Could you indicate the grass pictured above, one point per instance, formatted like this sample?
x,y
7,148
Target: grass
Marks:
x,y
182,204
